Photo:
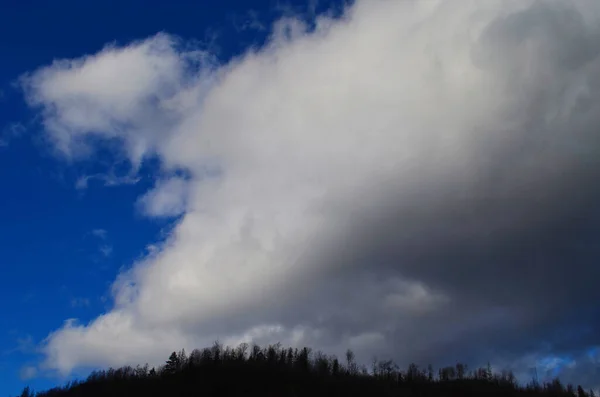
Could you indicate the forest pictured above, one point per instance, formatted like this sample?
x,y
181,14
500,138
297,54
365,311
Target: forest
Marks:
x,y
250,370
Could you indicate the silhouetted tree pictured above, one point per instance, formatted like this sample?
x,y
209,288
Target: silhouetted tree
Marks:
x,y
351,365
275,371
27,392
172,365
460,371
335,367
430,373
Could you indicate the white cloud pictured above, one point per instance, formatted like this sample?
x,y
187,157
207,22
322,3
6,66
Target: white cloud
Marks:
x,y
293,147
78,101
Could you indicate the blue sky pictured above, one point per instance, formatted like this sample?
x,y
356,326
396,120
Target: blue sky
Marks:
x,y
331,143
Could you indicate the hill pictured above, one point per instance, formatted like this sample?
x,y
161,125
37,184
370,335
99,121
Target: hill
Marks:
x,y
276,371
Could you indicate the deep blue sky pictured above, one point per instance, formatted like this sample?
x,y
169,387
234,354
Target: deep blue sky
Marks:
x,y
53,267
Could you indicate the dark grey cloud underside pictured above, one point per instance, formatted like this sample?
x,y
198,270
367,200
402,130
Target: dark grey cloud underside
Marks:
x,y
521,233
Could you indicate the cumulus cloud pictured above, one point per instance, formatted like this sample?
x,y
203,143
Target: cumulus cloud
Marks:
x,y
412,179
79,105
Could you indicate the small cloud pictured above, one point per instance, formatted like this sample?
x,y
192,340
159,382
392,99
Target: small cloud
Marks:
x,y
82,182
28,372
24,345
108,179
250,22
80,302
15,129
106,250
11,131
100,233
113,180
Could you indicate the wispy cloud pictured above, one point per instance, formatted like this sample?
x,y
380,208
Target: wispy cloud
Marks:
x,y
107,180
80,302
105,248
11,131
249,22
28,372
24,344
100,233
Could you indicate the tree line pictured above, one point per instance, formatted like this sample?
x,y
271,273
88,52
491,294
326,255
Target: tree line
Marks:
x,y
250,370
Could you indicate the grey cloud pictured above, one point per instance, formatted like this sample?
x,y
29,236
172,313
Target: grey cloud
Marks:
x,y
519,232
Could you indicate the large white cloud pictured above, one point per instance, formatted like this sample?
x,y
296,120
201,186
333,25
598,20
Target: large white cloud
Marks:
x,y
414,113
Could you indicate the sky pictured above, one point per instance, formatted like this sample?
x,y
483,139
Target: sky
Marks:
x,y
414,180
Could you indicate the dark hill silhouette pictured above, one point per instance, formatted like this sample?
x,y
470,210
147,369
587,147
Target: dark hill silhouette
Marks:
x,y
276,371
